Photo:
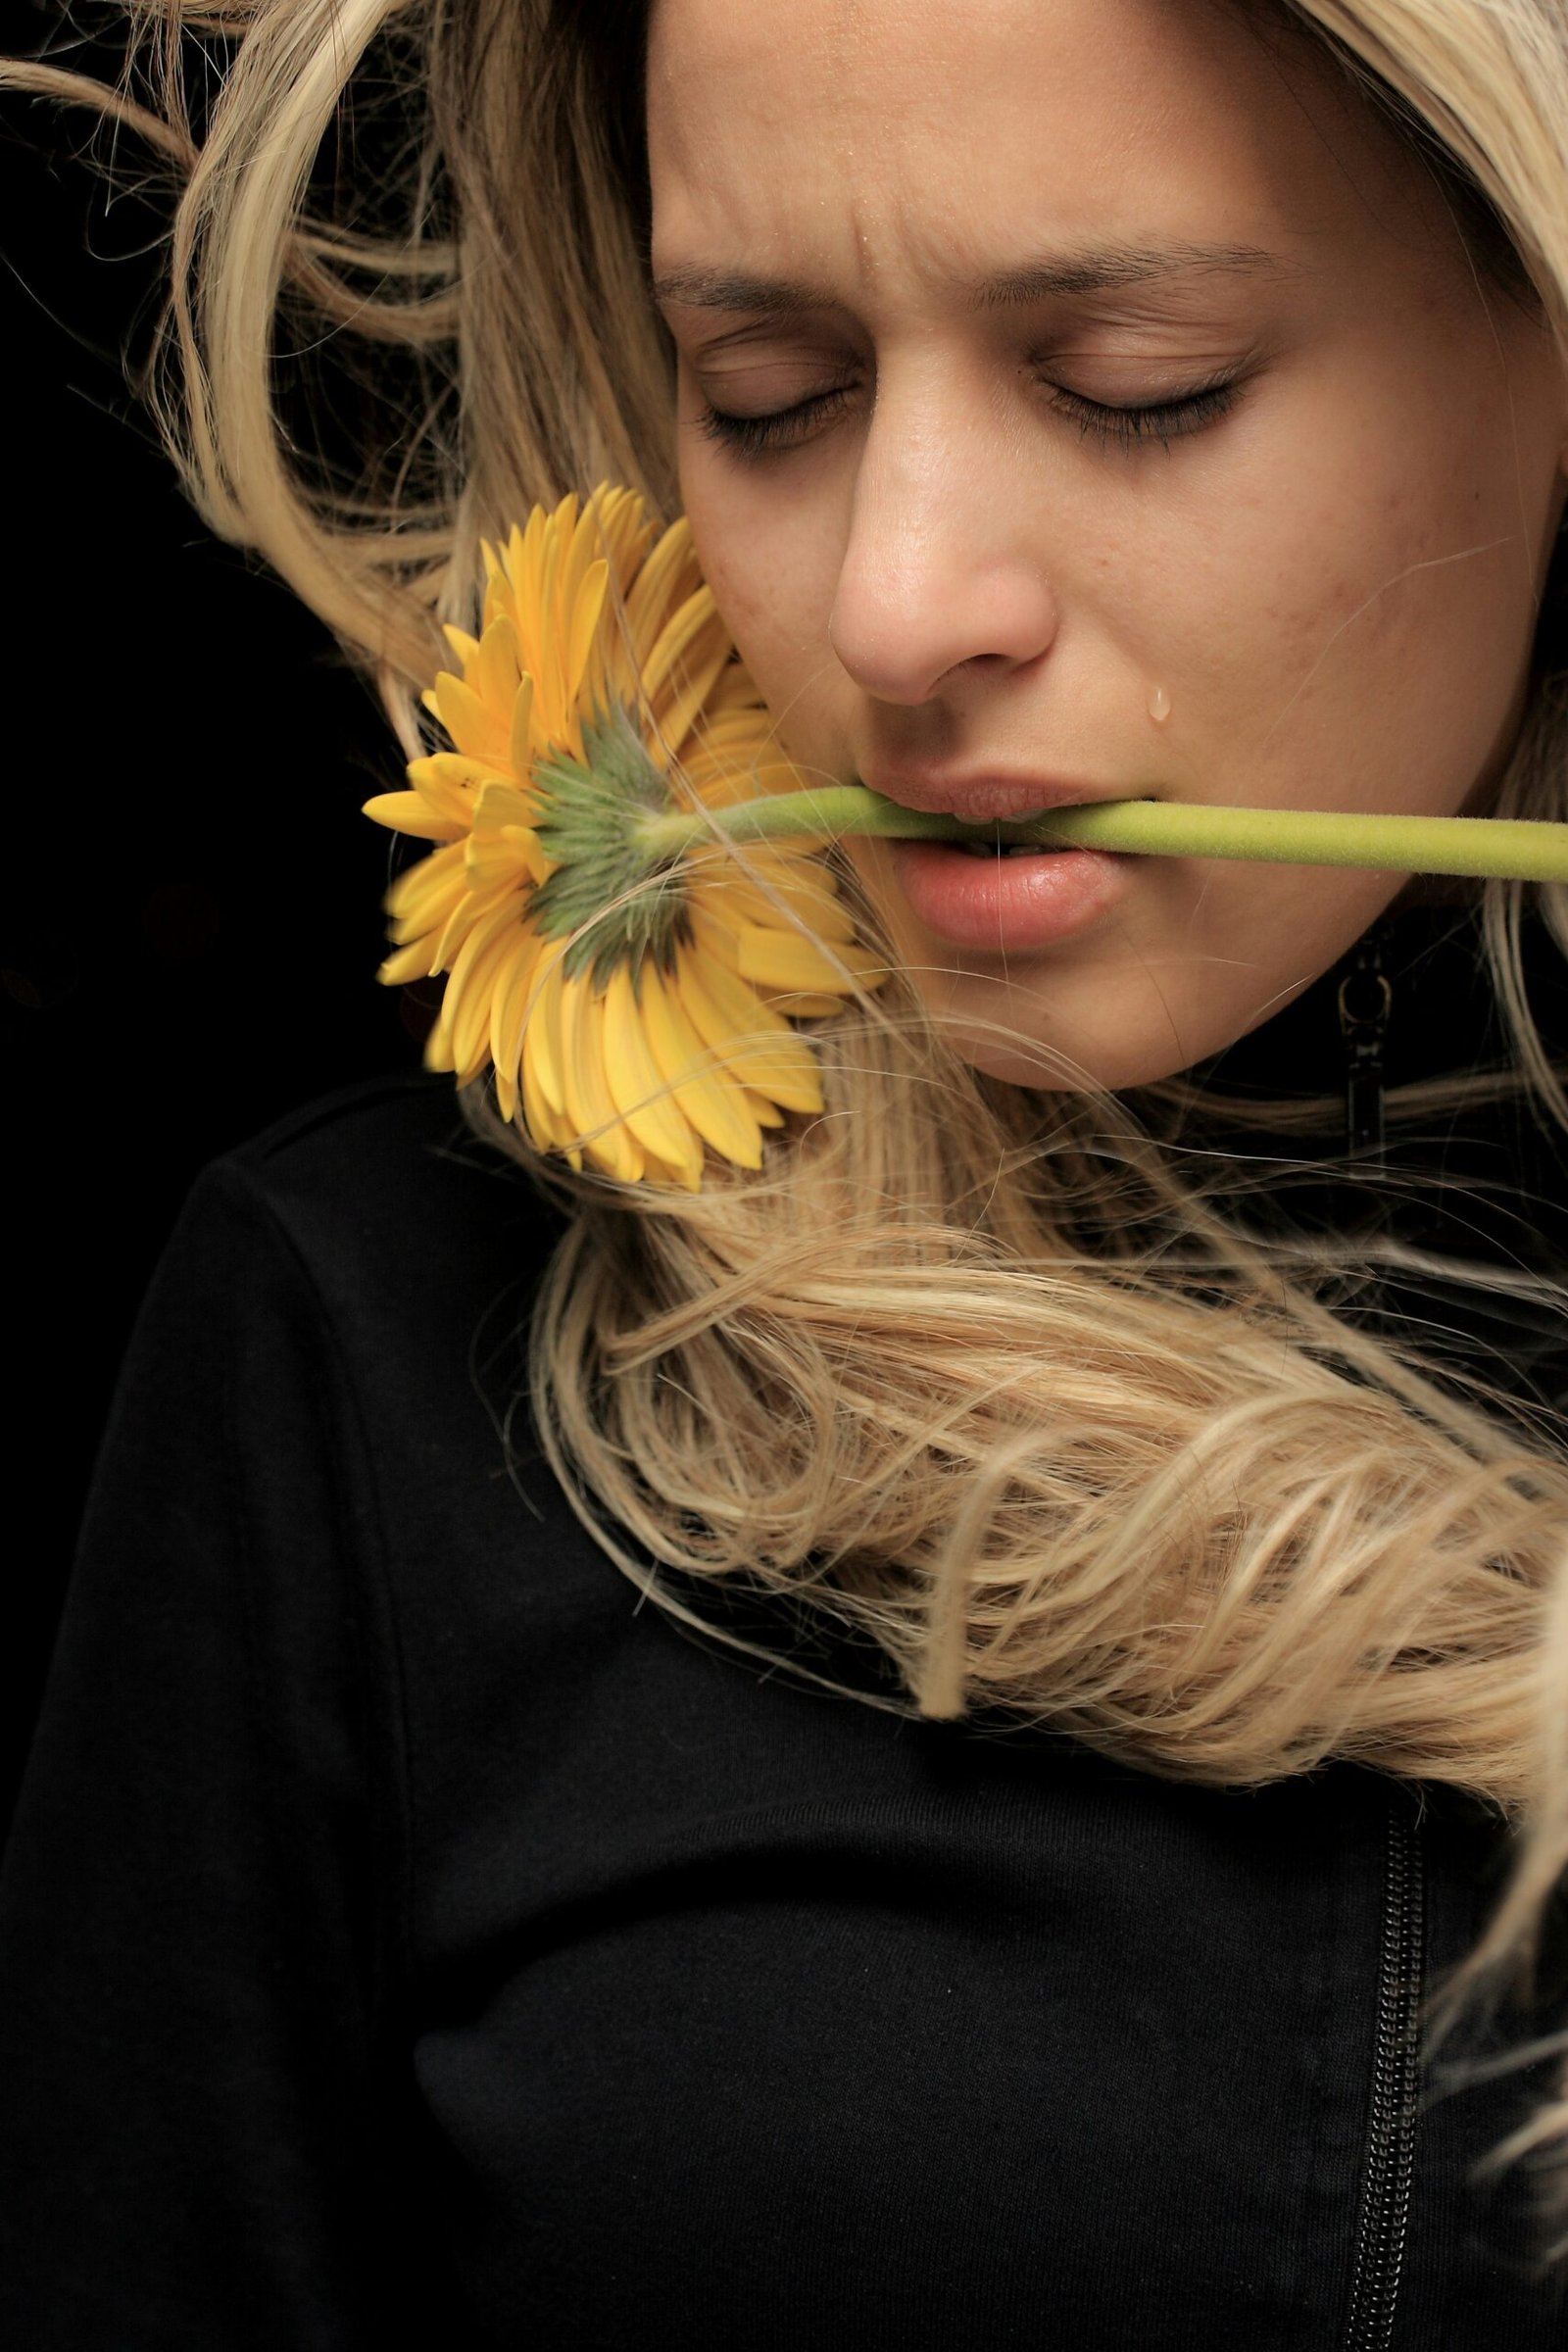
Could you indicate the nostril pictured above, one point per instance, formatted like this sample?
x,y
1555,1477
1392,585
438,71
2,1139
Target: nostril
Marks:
x,y
905,639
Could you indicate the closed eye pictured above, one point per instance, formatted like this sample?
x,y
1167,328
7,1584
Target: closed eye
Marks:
x,y
781,428
1165,420
1162,421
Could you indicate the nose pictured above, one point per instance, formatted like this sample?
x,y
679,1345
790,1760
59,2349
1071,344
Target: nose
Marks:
x,y
938,568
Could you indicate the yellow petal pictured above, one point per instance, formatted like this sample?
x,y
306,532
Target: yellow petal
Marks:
x,y
684,631
785,959
736,735
541,1036
446,784
494,670
472,724
563,521
762,782
736,688
683,668
778,957
438,1044
505,805
546,653
638,1087
712,933
801,1004
590,1105
580,550
508,1001
411,813
501,599
584,548
587,612
471,909
727,892
520,733
412,963
444,773
549,1130
625,532
667,577
704,1088
718,779
524,560
688,1175
423,898
504,853
468,1006
756,1042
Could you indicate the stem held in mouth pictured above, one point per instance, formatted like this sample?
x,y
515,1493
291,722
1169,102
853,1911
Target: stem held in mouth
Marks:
x,y
1516,848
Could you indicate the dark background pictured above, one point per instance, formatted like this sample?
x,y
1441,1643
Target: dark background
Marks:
x,y
189,918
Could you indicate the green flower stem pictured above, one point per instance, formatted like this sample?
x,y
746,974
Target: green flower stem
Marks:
x,y
1512,848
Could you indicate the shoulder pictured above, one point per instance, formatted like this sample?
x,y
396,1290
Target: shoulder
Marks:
x,y
392,1153
335,1352
381,1194
363,1271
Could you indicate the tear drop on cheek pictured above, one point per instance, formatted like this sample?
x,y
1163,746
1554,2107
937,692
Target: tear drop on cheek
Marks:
x,y
1159,704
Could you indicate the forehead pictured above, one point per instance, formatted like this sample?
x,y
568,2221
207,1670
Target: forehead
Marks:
x,y
851,133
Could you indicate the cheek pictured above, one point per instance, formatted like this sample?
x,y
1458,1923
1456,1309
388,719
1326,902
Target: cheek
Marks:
x,y
1350,633
773,581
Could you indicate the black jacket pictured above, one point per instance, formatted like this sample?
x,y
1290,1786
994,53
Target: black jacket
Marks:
x,y
404,1933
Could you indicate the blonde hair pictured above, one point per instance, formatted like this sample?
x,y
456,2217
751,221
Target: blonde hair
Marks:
x,y
987,1374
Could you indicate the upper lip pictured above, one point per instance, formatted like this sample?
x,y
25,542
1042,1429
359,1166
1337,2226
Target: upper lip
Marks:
x,y
994,796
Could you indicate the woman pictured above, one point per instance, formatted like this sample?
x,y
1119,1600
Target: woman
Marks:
x,y
1158,1513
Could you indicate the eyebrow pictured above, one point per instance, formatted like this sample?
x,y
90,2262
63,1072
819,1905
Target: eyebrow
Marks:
x,y
1089,270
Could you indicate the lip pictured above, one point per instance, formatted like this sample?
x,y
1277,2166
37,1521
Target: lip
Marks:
x,y
1001,905
992,797
1005,905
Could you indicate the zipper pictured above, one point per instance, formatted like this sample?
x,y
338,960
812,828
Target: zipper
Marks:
x,y
1365,1004
1396,2083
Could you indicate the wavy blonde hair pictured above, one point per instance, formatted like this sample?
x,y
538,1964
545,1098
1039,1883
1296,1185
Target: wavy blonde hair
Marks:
x,y
984,1373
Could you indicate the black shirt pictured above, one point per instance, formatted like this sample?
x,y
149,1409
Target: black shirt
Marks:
x,y
407,1933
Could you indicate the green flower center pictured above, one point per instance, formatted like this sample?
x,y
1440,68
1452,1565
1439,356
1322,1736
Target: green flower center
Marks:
x,y
607,895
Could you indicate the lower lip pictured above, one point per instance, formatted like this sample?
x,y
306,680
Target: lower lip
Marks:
x,y
1007,905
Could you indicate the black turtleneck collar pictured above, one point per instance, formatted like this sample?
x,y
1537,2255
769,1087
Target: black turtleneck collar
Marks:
x,y
1485,1183
1441,1017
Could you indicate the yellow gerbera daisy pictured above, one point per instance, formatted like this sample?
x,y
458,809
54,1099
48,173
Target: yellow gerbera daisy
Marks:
x,y
632,1017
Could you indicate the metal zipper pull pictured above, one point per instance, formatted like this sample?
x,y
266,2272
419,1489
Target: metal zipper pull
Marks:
x,y
1366,1000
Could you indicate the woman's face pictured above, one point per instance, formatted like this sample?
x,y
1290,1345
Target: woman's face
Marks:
x,y
1082,397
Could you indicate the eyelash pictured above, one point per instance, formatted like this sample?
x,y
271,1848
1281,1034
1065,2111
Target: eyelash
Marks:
x,y
752,436
1165,420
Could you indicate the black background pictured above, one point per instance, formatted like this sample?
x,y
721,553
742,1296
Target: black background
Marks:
x,y
190,920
